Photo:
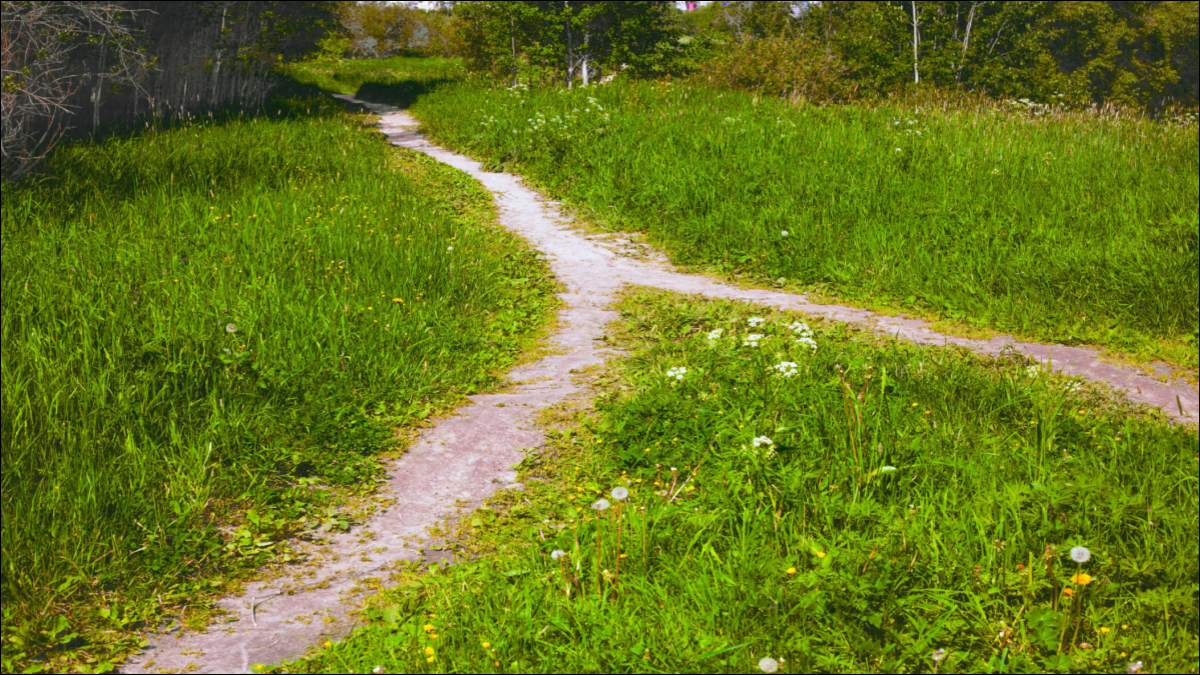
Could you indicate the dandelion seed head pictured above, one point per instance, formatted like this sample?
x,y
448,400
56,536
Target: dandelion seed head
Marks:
x,y
620,493
558,553
600,505
230,328
938,655
1080,555
768,665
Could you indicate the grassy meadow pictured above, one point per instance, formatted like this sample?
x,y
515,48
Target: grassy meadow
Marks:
x,y
759,489
1057,227
210,332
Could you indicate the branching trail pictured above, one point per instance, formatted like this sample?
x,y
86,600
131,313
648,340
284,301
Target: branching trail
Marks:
x,y
466,458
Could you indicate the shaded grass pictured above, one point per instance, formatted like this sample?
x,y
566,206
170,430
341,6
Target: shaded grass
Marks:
x,y
396,81
221,325
909,499
1072,228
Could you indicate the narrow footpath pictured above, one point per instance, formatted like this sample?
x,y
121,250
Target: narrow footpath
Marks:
x,y
460,462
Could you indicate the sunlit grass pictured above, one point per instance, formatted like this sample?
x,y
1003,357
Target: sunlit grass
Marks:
x,y
225,319
818,496
1065,227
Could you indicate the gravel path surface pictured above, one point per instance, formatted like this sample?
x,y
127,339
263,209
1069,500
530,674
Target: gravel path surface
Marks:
x,y
470,456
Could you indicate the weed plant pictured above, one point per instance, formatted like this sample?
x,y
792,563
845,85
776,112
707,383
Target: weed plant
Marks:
x,y
761,490
208,330
1064,227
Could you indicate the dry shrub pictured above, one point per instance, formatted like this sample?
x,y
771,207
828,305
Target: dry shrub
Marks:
x,y
797,69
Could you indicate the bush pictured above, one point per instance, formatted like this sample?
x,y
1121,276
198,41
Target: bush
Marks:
x,y
798,69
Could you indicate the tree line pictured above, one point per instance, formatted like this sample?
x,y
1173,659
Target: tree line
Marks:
x,y
1135,54
83,65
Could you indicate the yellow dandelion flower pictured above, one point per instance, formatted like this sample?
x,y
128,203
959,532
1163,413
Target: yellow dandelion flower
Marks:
x,y
791,570
486,645
429,651
428,627
1081,579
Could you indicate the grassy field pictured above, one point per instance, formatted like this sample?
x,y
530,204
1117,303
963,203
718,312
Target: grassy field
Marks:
x,y
762,485
210,333
1058,227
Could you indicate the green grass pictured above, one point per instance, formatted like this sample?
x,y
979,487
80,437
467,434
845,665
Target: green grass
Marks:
x,y
396,81
1067,227
911,499
223,324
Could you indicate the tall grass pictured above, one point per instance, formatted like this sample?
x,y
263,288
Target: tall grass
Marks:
x,y
220,317
816,496
1067,227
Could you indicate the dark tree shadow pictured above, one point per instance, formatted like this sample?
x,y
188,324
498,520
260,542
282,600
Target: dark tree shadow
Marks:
x,y
400,94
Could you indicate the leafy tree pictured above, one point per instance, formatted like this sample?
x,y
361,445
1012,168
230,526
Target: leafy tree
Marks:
x,y
567,40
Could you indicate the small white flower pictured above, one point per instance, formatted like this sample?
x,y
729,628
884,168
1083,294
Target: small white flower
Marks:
x,y
449,248
558,553
715,335
752,339
897,149
784,233
676,373
939,654
620,493
807,342
761,441
600,505
801,328
1033,371
377,670
755,321
1135,667
1080,554
786,368
768,665
887,469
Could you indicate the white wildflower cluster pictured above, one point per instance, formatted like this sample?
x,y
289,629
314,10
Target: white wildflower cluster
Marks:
x,y
1033,371
1072,387
755,321
806,335
786,368
676,373
752,339
761,446
715,335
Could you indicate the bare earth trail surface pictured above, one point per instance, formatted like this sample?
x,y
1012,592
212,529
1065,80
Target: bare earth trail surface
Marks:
x,y
468,457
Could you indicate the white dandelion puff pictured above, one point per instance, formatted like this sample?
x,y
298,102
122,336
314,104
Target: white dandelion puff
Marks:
x,y
1080,555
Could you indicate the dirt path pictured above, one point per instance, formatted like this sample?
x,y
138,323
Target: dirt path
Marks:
x,y
468,457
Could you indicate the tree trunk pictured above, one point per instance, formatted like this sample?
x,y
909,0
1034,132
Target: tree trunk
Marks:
x,y
916,40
